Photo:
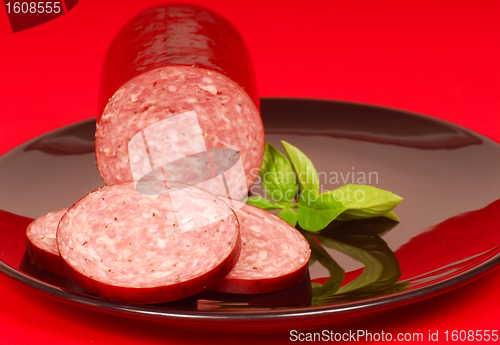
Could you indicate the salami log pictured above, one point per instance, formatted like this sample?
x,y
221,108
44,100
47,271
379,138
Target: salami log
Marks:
x,y
41,243
169,60
274,255
126,246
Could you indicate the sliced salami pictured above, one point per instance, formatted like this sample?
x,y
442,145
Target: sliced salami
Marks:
x,y
274,255
126,246
169,60
41,243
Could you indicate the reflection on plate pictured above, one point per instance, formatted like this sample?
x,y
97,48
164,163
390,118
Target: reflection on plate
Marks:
x,y
447,235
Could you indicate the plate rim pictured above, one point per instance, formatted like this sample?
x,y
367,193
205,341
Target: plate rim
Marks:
x,y
371,305
208,318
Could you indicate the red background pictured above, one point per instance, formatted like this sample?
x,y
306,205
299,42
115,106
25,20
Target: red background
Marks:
x,y
439,58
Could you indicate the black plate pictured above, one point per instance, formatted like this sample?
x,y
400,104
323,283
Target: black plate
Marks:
x,y
447,235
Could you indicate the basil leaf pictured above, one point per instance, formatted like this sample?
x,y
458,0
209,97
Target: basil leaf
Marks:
x,y
364,201
373,267
337,273
284,205
317,211
289,216
262,202
305,172
391,215
277,175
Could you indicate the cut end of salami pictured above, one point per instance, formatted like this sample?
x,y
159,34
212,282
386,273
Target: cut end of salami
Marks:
x,y
126,246
169,60
274,255
41,243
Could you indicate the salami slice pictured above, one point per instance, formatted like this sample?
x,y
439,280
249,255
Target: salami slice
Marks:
x,y
274,255
41,243
126,246
169,60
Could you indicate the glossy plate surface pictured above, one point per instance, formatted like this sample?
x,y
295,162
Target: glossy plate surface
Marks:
x,y
447,236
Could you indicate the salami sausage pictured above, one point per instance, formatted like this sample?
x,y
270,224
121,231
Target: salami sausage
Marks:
x,y
41,243
126,246
169,60
274,255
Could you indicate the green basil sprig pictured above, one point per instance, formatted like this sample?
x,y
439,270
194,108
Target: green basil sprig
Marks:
x,y
293,184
